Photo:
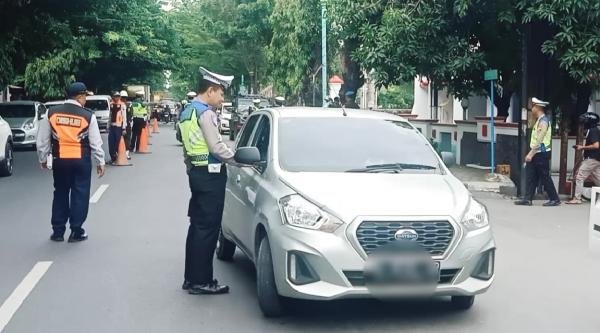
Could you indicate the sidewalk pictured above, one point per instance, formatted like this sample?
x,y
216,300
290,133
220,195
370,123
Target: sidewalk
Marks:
x,y
479,180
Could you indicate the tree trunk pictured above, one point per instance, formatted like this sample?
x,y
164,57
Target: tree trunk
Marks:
x,y
503,103
351,72
565,128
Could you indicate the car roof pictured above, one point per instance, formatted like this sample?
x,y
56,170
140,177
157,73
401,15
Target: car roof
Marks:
x,y
317,112
97,97
19,103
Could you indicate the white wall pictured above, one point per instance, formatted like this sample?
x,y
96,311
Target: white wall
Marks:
x,y
421,103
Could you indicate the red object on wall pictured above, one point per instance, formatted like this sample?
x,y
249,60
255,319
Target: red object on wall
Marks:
x,y
484,131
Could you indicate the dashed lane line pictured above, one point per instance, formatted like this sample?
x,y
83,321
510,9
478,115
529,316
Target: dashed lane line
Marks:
x,y
98,194
18,296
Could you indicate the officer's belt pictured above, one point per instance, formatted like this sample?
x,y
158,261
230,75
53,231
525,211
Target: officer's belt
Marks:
x,y
198,158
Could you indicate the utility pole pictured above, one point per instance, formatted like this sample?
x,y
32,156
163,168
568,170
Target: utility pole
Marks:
x,y
324,49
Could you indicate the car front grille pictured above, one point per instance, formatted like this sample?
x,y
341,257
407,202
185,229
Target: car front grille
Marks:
x,y
434,236
18,135
357,278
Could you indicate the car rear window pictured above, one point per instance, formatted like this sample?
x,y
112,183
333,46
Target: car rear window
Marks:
x,y
17,111
97,105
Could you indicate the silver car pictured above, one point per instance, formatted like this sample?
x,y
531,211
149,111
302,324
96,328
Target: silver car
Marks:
x,y
330,191
23,118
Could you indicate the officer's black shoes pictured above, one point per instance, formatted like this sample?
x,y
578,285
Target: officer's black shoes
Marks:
x,y
523,202
552,203
77,237
213,288
186,285
55,237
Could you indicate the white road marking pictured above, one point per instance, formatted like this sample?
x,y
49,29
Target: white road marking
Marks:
x,y
14,301
98,194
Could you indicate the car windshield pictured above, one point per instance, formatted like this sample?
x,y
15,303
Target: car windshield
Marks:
x,y
17,111
353,145
97,105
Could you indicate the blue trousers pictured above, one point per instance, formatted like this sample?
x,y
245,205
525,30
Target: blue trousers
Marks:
x,y
72,179
114,138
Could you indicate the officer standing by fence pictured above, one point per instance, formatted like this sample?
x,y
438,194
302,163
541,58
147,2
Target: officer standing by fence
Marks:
x,y
71,133
205,155
538,159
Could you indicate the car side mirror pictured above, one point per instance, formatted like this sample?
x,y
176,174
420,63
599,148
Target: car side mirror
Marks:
x,y
247,155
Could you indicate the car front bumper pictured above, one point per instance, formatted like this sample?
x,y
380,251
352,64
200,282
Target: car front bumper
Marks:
x,y
23,137
339,264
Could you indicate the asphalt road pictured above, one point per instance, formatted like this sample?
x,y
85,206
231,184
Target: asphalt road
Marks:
x,y
127,276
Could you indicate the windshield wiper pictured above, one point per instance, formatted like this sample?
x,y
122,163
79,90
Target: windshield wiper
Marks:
x,y
392,167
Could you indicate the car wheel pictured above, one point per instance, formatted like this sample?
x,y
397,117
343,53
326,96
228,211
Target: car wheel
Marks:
x,y
271,304
6,166
462,302
225,249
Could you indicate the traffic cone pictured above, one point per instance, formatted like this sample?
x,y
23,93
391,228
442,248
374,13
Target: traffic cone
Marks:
x,y
143,148
121,155
155,128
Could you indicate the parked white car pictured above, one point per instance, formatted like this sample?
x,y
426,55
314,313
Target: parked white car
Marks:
x,y
6,149
336,198
100,105
23,118
225,118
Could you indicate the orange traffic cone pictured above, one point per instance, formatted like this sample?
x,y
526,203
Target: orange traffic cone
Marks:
x,y
121,155
143,148
155,128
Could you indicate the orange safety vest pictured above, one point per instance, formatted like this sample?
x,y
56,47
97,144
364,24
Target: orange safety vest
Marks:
x,y
116,116
70,128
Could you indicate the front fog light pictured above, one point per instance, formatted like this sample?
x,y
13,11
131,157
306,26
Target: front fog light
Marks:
x,y
485,267
299,270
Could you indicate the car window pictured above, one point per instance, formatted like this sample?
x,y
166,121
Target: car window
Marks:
x,y
17,110
261,140
247,131
97,105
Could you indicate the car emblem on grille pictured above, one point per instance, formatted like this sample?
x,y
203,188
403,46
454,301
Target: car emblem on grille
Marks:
x,y
406,234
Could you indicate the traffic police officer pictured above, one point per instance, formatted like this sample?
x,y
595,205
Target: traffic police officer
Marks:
x,y
71,133
205,153
118,124
538,159
140,116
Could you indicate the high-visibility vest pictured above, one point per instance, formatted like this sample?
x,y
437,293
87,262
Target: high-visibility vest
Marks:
x,y
116,114
195,145
139,110
547,141
70,128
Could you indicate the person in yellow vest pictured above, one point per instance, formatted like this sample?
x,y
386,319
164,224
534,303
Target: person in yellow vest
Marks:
x,y
205,155
140,116
538,158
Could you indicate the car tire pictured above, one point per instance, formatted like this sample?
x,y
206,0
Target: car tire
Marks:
x,y
462,302
6,165
271,304
225,248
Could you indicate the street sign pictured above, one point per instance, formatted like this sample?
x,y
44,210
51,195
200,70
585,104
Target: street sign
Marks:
x,y
491,74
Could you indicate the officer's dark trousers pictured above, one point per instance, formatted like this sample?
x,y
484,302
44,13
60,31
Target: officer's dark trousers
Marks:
x,y
539,170
114,138
72,180
205,212
138,125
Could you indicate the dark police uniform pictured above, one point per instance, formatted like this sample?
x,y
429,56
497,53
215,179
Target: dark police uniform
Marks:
x,y
205,155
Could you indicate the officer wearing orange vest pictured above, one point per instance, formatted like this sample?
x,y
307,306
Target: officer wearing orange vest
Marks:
x,y
118,125
71,133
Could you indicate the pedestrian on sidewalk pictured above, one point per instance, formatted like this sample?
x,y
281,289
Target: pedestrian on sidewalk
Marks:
x,y
140,117
205,155
118,125
71,133
538,158
591,155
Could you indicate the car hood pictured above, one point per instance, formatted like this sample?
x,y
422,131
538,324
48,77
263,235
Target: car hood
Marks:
x,y
17,122
348,195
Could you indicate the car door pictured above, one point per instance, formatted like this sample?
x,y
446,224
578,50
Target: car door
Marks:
x,y
253,179
235,200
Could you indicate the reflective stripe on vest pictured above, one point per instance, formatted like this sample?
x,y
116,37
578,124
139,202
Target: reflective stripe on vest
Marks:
x,y
547,141
70,126
195,145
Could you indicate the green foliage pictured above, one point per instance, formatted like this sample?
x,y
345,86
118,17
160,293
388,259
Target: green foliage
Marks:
x,y
397,96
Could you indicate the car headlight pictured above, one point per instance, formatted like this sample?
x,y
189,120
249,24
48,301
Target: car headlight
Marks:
x,y
28,125
476,216
299,212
